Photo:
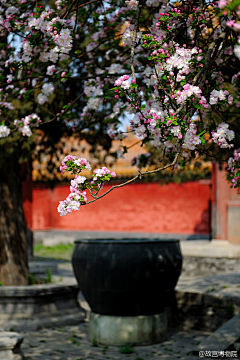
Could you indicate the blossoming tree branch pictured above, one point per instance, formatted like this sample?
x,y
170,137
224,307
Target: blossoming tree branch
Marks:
x,y
173,66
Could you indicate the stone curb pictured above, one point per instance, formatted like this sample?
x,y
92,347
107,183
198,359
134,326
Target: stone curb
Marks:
x,y
192,310
35,290
10,343
50,321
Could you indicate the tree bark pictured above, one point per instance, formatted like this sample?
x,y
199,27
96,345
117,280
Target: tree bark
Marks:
x,y
13,236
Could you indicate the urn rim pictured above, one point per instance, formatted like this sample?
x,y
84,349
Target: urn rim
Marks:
x,y
125,241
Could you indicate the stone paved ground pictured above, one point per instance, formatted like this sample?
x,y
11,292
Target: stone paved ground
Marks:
x,y
70,343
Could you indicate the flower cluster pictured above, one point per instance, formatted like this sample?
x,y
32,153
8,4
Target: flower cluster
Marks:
x,y
79,185
188,91
220,95
101,173
24,124
233,168
4,131
123,82
132,4
50,70
74,164
223,134
191,139
48,23
47,90
72,202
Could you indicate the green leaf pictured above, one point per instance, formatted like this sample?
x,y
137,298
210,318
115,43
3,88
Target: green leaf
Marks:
x,y
201,133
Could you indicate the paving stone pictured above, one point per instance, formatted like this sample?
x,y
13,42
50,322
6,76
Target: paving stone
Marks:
x,y
225,336
71,343
237,346
221,283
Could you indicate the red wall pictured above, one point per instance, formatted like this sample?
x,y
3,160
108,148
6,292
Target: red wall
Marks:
x,y
148,207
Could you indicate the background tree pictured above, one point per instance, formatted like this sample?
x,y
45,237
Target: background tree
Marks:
x,y
16,149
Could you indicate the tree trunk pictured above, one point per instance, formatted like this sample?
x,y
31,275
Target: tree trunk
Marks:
x,y
13,236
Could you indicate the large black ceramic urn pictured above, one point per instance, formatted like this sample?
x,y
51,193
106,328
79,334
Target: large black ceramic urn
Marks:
x,y
127,277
